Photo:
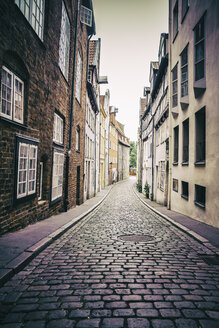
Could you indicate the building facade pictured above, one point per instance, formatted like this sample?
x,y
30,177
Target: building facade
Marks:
x,y
194,69
41,62
123,152
113,147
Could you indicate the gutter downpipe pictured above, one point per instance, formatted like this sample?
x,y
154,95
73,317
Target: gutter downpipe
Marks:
x,y
66,200
152,185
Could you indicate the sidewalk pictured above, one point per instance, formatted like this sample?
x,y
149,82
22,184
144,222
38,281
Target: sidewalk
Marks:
x,y
202,232
20,247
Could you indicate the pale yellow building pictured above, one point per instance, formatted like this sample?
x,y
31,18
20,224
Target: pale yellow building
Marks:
x,y
103,116
113,147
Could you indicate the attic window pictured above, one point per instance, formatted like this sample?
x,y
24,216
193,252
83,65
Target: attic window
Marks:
x,y
86,16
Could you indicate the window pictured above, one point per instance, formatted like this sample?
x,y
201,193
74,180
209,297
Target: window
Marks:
x,y
58,129
175,86
89,77
176,144
12,96
57,175
33,10
78,78
186,141
175,20
64,42
184,72
78,139
175,185
200,127
199,33
200,193
185,7
185,190
27,168
86,16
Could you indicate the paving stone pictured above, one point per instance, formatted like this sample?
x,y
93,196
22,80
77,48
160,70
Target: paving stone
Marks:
x,y
213,314
35,324
170,313
113,323
101,313
138,323
116,305
209,323
88,323
162,323
147,313
123,313
37,315
186,323
193,314
61,323
140,305
57,314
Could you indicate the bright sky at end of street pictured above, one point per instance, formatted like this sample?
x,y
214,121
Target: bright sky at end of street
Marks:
x,y
130,35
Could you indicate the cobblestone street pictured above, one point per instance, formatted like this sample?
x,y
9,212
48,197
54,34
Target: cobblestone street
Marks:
x,y
122,266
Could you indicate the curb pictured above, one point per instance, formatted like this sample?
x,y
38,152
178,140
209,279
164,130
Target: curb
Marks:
x,y
19,262
189,232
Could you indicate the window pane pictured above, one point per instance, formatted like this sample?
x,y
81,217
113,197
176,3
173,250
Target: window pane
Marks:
x,y
199,70
78,79
199,51
64,43
57,180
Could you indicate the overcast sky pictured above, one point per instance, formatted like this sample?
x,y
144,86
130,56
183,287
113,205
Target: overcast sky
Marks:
x,y
130,34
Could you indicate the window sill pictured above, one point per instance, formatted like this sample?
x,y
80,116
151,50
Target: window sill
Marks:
x,y
58,144
185,163
175,163
184,16
199,87
201,205
175,190
184,102
185,197
78,151
41,202
53,202
175,111
200,163
20,125
66,80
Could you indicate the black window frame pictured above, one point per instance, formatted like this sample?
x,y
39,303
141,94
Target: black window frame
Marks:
x,y
176,145
175,86
199,39
185,152
200,137
175,20
185,8
200,196
177,184
185,190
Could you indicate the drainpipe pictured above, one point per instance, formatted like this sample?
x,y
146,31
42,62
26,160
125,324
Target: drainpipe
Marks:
x,y
66,200
152,186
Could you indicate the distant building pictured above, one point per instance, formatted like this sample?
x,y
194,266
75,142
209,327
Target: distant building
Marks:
x,y
113,147
123,152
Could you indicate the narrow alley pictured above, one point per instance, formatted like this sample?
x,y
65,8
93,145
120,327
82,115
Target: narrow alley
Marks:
x,y
121,266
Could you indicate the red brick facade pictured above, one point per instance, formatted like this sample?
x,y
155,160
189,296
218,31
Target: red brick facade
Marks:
x,y
46,91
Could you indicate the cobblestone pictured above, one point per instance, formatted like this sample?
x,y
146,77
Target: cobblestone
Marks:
x,y
90,277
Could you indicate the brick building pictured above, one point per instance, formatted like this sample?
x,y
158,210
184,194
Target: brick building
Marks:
x,y
41,126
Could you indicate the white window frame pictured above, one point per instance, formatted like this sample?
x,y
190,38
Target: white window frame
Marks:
x,y
58,129
64,42
14,78
34,11
30,170
78,78
57,175
86,16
